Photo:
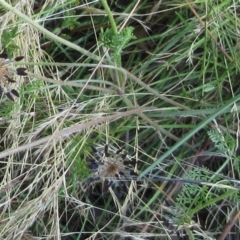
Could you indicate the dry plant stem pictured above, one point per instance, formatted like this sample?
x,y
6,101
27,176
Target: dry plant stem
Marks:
x,y
130,15
151,90
228,226
209,32
46,32
175,189
68,131
72,84
156,212
155,125
12,183
130,75
141,115
77,48
179,184
127,101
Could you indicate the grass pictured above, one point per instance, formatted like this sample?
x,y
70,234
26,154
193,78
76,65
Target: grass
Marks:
x,y
158,80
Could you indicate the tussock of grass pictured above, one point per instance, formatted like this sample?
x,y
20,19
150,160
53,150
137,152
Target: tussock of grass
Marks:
x,y
168,97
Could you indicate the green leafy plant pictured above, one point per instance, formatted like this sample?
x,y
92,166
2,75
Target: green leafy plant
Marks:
x,y
116,42
193,195
77,162
70,21
221,142
7,39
